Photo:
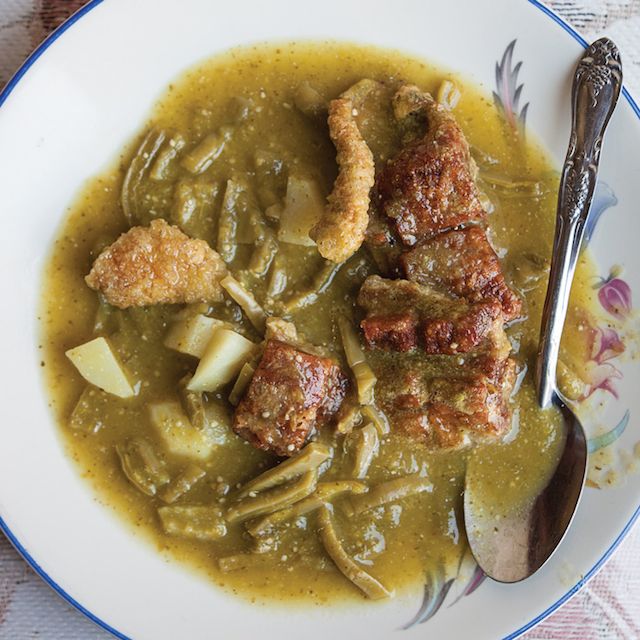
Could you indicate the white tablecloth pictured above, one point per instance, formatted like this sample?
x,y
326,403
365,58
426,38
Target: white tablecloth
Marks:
x,y
607,608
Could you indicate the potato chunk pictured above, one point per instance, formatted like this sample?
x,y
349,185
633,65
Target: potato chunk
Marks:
x,y
221,361
303,207
192,335
179,435
97,364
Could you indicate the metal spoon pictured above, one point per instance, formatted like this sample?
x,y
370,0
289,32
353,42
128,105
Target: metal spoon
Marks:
x,y
511,547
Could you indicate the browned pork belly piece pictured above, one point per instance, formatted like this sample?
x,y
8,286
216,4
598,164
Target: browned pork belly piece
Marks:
x,y
462,262
446,412
391,331
157,264
442,364
291,395
342,228
404,316
429,186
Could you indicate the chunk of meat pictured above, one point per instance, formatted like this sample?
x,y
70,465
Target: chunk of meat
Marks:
x,y
463,333
157,264
462,262
394,331
449,412
403,315
429,186
342,228
291,395
444,375
460,412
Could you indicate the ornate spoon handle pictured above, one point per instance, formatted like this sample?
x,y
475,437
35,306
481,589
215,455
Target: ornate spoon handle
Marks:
x,y
596,87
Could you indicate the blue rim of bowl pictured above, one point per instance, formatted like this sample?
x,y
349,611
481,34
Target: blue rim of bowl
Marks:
x,y
4,94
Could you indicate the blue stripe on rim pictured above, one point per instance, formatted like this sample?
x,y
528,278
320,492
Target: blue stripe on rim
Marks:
x,y
11,85
4,94
52,583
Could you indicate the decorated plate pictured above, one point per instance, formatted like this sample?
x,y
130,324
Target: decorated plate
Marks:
x,y
80,99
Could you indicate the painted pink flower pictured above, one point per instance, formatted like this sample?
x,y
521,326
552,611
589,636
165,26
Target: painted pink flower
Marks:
x,y
606,345
615,297
601,376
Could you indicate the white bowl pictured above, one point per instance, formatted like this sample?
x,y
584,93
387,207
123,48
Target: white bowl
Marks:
x,y
69,110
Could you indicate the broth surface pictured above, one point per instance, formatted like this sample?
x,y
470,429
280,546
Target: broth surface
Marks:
x,y
400,542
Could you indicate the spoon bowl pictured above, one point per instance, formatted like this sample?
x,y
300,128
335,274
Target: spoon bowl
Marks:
x,y
511,546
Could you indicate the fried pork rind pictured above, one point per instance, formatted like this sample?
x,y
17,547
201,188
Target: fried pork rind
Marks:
x,y
341,231
157,264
